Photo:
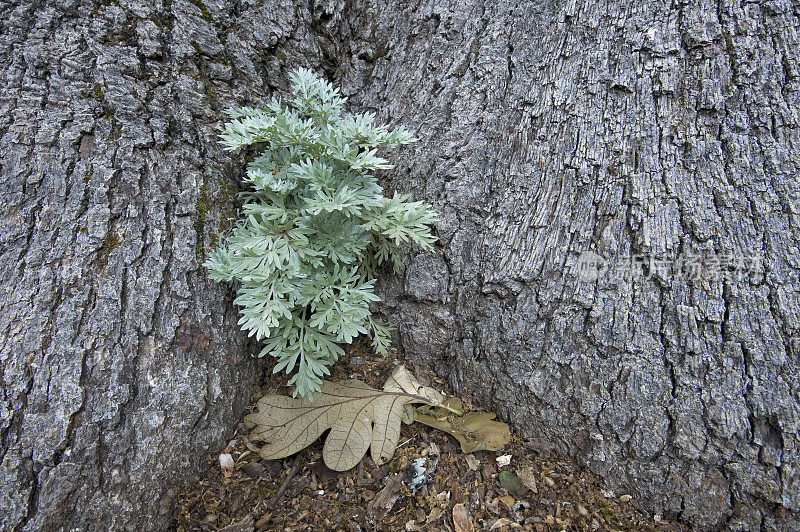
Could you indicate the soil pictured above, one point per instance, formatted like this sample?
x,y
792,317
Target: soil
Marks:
x,y
460,492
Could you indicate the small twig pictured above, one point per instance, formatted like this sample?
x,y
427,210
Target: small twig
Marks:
x,y
279,494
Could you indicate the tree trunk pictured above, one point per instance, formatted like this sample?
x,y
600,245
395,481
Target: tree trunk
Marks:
x,y
121,364
553,135
555,132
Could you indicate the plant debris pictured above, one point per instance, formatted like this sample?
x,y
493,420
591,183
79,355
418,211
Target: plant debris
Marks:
x,y
475,431
512,484
461,518
503,460
461,494
359,418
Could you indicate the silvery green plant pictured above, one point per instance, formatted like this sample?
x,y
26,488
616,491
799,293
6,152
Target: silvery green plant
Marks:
x,y
314,228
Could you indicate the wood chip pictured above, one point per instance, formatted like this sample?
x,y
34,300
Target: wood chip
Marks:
x,y
382,504
461,519
264,520
503,522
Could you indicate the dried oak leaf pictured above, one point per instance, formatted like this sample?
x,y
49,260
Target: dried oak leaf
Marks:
x,y
358,416
475,431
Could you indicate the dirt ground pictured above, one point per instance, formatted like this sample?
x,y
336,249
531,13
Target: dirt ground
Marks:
x,y
460,492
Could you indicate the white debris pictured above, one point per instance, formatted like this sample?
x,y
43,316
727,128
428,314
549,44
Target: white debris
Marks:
x,y
472,462
419,473
226,461
504,460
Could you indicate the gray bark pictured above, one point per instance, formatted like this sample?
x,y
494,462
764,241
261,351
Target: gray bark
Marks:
x,y
121,364
547,129
659,129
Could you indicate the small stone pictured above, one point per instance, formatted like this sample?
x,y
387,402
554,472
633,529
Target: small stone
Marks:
x,y
625,498
356,361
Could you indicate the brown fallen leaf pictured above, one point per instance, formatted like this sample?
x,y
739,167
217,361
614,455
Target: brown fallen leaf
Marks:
x,y
475,431
402,380
434,516
503,522
528,478
461,519
358,416
508,500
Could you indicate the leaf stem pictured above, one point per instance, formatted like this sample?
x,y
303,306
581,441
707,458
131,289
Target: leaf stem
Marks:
x,y
453,410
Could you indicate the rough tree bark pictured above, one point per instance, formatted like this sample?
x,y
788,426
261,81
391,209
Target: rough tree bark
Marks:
x,y
548,129
656,129
121,364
